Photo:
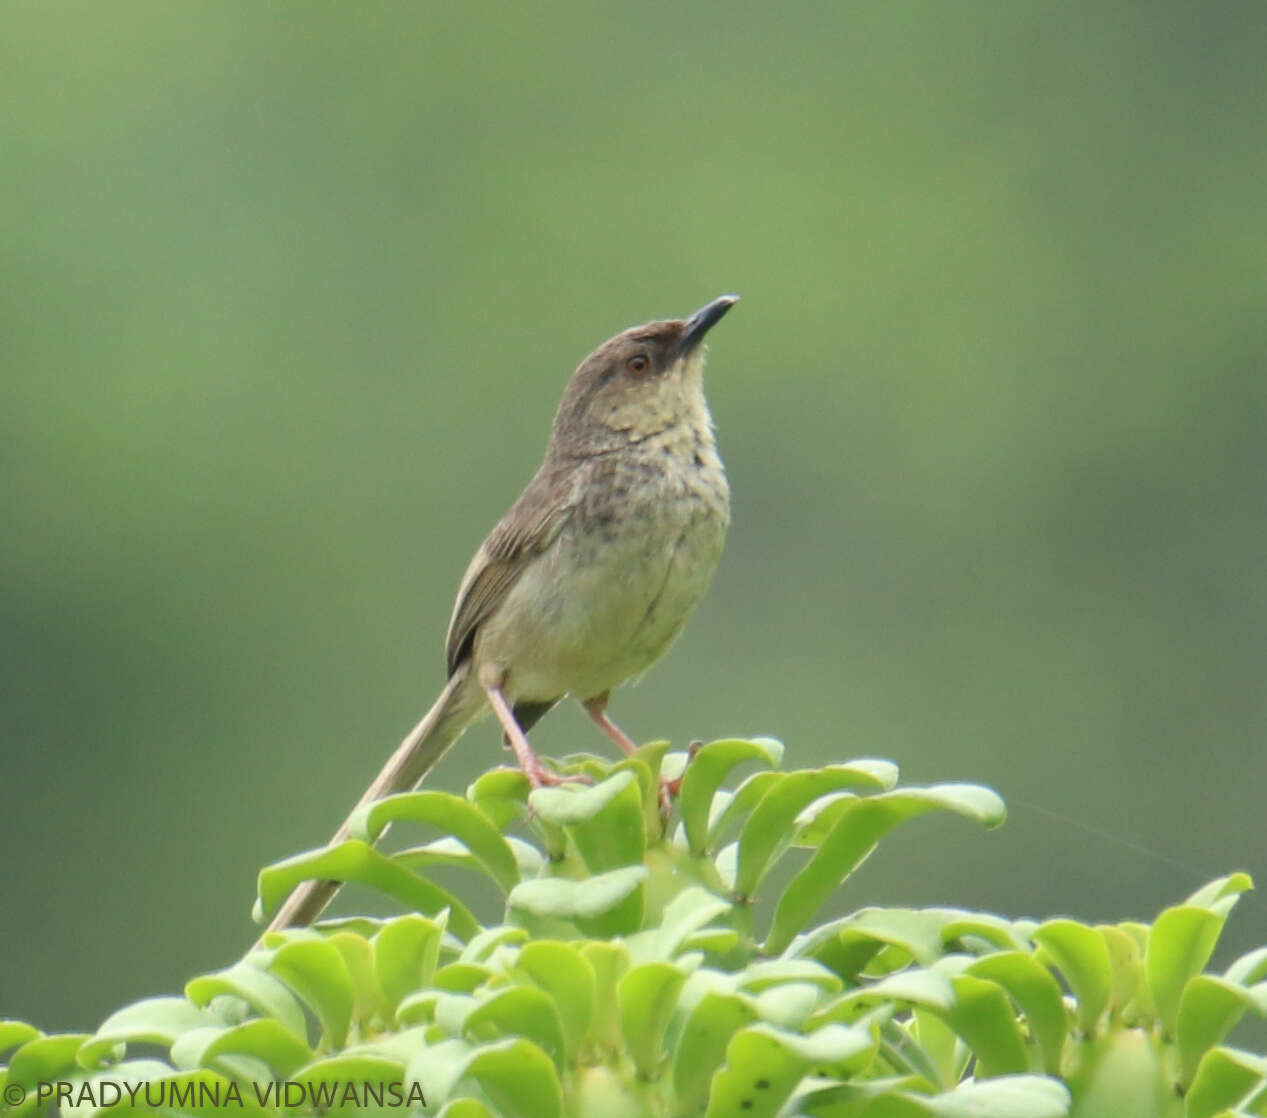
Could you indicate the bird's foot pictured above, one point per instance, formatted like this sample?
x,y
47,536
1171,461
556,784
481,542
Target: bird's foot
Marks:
x,y
541,777
596,708
674,787
671,789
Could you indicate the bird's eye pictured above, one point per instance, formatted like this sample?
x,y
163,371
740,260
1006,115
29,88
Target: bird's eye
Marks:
x,y
638,363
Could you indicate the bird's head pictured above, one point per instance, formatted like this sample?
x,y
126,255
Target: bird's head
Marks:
x,y
646,380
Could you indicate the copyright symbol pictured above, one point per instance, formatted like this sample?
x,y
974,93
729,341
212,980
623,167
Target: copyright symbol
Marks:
x,y
14,1094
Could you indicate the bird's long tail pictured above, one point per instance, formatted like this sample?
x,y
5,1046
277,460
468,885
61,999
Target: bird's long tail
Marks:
x,y
459,704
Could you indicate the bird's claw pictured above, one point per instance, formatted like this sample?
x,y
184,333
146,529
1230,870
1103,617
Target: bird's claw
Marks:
x,y
671,789
541,777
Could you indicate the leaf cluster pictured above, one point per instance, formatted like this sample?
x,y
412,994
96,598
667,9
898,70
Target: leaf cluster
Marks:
x,y
629,973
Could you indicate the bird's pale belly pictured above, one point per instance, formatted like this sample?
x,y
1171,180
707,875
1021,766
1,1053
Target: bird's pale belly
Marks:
x,y
629,588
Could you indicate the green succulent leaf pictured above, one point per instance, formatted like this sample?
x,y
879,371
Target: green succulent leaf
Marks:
x,y
607,903
1209,1009
406,951
450,852
764,1065
152,1021
358,954
485,945
928,989
417,1009
775,972
647,996
687,913
983,1016
567,977
851,838
454,816
255,986
357,861
264,1039
704,775
1221,888
609,962
1179,946
461,977
15,1033
438,1069
452,1010
964,927
43,1059
188,1048
524,1011
1082,956
1017,1096
859,1097
516,1076
651,757
1126,958
1037,995
1225,1078
501,795
646,765
937,1046
338,1084
701,1047
770,828
569,804
816,821
1249,969
604,821
729,811
712,941
317,972
848,944
788,1005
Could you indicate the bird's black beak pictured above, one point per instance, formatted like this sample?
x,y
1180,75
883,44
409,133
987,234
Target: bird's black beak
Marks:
x,y
704,320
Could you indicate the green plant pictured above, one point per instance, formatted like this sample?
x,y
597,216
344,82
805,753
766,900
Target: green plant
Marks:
x,y
630,975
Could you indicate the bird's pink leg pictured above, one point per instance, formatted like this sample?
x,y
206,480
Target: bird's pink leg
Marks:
x,y
596,708
538,775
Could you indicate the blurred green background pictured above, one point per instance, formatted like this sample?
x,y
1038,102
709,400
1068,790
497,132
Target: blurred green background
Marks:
x,y
289,295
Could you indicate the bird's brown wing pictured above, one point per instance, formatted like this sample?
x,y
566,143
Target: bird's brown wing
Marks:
x,y
528,528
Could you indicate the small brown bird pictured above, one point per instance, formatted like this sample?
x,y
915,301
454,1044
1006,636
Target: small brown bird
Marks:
x,y
592,573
